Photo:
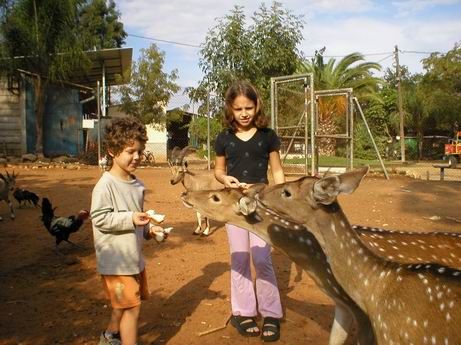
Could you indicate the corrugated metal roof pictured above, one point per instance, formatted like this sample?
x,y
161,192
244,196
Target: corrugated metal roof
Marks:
x,y
116,61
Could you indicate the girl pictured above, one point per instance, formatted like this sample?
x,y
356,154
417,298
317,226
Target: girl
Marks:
x,y
243,152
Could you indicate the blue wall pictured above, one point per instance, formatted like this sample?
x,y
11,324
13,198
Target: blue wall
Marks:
x,y
62,122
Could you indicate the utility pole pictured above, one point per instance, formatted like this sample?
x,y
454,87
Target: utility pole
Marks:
x,y
399,104
208,128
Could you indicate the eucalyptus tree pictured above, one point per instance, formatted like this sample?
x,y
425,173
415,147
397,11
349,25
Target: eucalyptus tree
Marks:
x,y
40,37
256,51
100,25
150,88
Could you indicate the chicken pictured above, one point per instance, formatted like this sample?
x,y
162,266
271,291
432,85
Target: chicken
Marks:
x,y
22,195
61,227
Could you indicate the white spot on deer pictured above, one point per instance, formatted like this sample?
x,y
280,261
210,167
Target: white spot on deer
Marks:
x,y
425,323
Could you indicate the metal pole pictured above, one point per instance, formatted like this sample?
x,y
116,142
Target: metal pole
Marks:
x,y
306,129
272,104
98,105
208,129
399,102
103,89
350,133
313,157
371,136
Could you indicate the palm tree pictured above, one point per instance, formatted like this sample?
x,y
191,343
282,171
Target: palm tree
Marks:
x,y
349,72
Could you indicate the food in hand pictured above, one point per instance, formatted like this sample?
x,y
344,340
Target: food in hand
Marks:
x,y
156,217
159,233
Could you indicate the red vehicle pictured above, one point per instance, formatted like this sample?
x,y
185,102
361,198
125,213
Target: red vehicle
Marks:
x,y
453,150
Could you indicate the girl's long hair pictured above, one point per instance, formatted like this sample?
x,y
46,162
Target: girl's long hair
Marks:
x,y
243,88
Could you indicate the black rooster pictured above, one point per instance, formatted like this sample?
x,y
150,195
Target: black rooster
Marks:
x,y
61,227
22,195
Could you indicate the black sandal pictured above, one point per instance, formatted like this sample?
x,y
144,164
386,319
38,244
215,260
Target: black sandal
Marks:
x,y
243,324
271,324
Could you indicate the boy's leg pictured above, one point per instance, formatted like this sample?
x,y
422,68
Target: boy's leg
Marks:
x,y
129,325
243,299
114,323
267,291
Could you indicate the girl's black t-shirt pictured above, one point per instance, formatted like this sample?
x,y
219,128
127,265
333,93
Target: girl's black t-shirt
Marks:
x,y
247,160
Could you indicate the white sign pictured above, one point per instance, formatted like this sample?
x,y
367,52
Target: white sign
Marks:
x,y
88,123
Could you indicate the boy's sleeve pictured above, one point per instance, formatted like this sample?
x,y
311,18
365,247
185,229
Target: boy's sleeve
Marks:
x,y
103,215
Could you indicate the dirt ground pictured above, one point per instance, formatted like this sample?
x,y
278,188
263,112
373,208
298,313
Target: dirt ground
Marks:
x,y
51,299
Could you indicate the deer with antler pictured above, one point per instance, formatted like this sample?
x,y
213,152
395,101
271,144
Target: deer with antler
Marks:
x,y
192,180
236,207
7,185
408,303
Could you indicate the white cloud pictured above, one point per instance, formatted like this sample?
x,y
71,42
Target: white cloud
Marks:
x,y
410,7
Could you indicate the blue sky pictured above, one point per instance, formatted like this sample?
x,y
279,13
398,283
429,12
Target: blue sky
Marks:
x,y
370,27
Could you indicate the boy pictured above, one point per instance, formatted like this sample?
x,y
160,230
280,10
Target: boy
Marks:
x,y
119,224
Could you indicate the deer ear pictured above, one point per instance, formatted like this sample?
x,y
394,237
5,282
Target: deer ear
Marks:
x,y
247,205
351,180
327,189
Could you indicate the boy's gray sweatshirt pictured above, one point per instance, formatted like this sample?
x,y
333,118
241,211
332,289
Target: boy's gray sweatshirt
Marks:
x,y
117,241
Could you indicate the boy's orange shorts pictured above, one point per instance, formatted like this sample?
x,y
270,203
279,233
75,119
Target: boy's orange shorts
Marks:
x,y
126,291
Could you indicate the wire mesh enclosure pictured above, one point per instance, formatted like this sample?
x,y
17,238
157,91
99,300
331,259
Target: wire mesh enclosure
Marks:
x,y
292,111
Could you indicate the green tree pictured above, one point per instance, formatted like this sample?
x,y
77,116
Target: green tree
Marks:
x,y
234,50
275,35
150,88
100,25
41,37
442,84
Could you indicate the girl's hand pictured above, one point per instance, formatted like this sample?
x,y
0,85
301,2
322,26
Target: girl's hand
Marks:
x,y
230,181
140,218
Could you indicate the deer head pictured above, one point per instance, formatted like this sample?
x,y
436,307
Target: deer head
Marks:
x,y
407,303
10,180
178,164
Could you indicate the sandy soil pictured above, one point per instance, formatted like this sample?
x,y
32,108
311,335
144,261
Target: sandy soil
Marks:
x,y
51,299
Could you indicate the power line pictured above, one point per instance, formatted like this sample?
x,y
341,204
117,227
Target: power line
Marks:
x,y
415,52
165,41
309,56
387,57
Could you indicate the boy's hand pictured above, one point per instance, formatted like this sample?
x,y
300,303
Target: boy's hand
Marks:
x,y
158,233
140,218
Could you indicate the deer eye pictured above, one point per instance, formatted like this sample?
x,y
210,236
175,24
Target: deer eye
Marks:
x,y
215,197
286,193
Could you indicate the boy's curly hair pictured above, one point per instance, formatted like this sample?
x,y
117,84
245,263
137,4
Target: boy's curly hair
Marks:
x,y
123,132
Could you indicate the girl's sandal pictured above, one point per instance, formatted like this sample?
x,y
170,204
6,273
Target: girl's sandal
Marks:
x,y
243,324
272,325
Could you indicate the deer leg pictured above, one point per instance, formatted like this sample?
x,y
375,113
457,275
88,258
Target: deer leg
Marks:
x,y
299,273
365,333
10,204
342,325
198,229
206,232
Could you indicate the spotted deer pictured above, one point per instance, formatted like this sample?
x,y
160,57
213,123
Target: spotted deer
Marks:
x,y
192,180
407,303
7,185
233,206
